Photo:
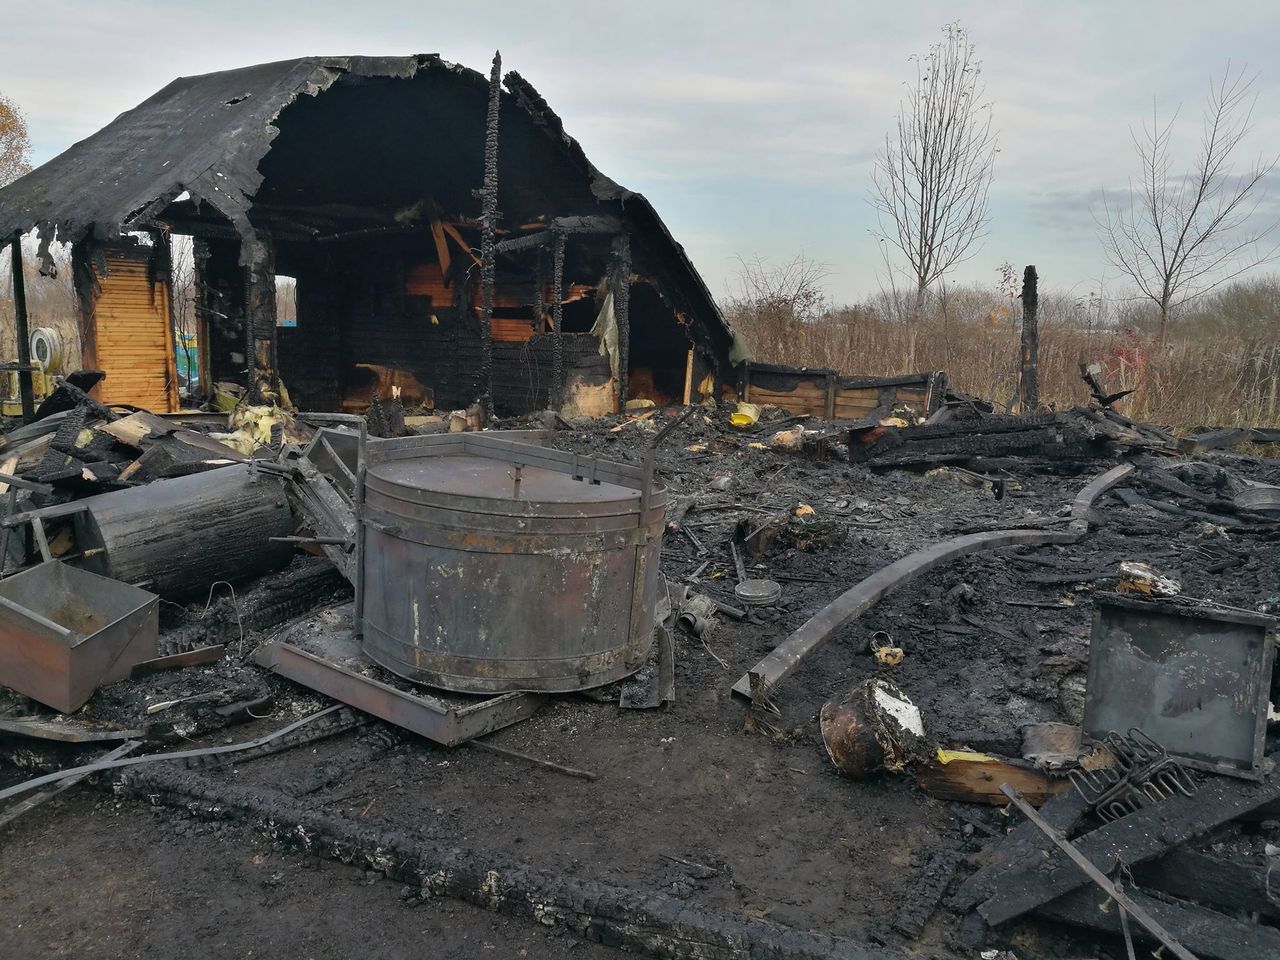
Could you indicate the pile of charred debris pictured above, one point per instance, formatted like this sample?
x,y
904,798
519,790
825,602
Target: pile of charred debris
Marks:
x,y
732,682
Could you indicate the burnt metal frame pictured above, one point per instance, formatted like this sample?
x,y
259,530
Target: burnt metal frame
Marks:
x,y
420,713
1258,768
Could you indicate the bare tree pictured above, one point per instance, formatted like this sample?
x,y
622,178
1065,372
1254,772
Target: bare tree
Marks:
x,y
931,179
15,144
1178,235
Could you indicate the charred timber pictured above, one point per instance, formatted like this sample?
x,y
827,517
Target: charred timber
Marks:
x,y
557,315
178,537
1138,837
655,926
1029,387
488,226
622,309
22,333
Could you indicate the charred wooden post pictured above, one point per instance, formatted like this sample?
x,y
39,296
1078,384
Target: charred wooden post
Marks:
x,y
85,284
21,331
1029,385
557,315
488,224
258,259
622,309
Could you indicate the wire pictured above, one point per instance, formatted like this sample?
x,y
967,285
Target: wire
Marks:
x,y
89,768
235,605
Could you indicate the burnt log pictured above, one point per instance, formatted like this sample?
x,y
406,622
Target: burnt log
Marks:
x,y
1206,933
1022,848
178,537
631,920
1138,837
1222,883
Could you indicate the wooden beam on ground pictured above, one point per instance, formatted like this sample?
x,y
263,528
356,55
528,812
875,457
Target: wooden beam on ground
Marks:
x,y
972,777
636,921
1090,870
174,661
1213,440
1020,849
1206,933
1223,883
1135,838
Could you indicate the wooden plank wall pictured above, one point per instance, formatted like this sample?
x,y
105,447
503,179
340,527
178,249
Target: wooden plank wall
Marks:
x,y
828,394
134,339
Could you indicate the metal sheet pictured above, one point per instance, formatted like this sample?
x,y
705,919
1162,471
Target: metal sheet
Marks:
x,y
1194,679
326,665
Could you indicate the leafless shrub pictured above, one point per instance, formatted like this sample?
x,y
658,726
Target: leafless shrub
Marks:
x,y
1178,235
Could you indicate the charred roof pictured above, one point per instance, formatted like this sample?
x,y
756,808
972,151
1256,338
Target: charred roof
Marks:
x,y
322,144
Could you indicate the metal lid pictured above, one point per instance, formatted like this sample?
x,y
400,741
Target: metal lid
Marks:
x,y
487,484
758,593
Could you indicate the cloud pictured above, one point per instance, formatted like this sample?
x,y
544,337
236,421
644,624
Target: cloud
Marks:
x,y
752,125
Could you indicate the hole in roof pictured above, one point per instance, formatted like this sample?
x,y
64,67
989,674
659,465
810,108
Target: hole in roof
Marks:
x,y
234,100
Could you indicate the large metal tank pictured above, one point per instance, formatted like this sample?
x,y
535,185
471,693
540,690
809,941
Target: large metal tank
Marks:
x,y
482,576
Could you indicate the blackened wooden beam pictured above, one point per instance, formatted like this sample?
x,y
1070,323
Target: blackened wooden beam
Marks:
x,y
1135,838
488,226
1029,382
561,225
533,241
557,319
1020,849
1224,883
1090,869
1206,933
258,257
622,310
632,920
22,331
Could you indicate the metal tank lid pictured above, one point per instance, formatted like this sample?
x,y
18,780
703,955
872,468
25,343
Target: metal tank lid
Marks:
x,y
477,483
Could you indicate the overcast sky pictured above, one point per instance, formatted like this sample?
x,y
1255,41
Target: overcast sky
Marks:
x,y
750,125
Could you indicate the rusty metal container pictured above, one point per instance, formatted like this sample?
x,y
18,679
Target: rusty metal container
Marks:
x,y
492,567
64,632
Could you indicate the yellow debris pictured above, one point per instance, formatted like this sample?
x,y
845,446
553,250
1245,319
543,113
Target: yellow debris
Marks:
x,y
968,756
747,415
888,656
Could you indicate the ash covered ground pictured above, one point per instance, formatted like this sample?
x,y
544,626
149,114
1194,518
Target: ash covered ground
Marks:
x,y
687,802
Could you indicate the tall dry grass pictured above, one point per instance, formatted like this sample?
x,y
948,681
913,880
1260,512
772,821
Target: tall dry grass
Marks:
x,y
1221,364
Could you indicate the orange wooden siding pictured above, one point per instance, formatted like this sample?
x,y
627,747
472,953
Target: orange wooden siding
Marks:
x,y
425,280
133,341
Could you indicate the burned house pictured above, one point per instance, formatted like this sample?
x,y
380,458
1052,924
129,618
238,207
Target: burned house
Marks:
x,y
365,179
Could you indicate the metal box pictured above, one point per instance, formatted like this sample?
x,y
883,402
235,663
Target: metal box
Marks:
x,y
64,632
1196,679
